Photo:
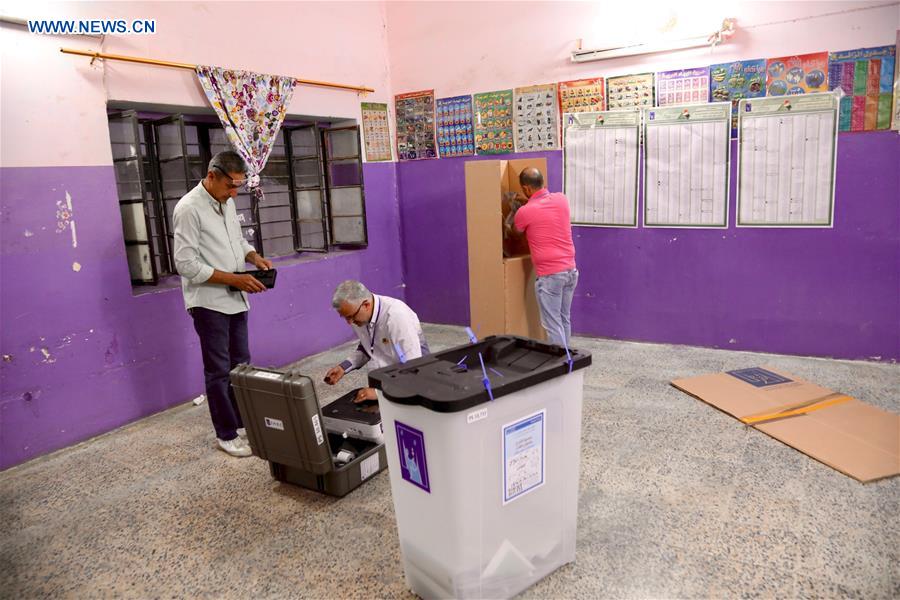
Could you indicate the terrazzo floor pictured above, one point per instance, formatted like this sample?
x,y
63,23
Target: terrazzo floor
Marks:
x,y
677,500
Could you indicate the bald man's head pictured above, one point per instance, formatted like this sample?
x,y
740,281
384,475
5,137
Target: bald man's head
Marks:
x,y
531,181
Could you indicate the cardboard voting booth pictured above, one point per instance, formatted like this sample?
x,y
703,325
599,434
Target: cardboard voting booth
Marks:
x,y
501,276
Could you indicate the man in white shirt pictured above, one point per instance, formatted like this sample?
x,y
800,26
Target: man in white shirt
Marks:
x,y
210,249
388,330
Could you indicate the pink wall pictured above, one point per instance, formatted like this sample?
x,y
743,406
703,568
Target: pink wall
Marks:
x,y
469,47
343,42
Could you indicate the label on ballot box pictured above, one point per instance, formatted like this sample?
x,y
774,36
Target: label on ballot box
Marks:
x,y
413,465
523,456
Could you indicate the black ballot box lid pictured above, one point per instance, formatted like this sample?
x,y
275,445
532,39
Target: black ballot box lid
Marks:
x,y
454,380
282,417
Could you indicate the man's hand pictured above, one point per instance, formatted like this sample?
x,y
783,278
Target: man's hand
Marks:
x,y
365,394
334,375
258,261
246,283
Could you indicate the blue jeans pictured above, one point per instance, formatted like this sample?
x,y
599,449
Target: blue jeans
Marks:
x,y
224,344
554,297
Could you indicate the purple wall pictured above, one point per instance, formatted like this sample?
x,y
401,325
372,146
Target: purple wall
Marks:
x,y
112,357
822,292
433,216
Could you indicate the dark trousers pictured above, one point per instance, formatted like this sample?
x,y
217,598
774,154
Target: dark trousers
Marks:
x,y
224,344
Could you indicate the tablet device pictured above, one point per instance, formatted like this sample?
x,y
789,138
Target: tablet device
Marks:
x,y
265,277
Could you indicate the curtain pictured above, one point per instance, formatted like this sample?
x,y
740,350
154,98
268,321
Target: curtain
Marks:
x,y
251,107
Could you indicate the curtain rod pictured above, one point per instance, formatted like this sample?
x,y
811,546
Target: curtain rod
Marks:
x,y
178,65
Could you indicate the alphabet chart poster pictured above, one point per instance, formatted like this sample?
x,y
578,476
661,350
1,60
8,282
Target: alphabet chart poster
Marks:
x,y
455,132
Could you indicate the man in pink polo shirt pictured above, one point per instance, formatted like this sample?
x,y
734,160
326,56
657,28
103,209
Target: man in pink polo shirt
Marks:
x,y
544,220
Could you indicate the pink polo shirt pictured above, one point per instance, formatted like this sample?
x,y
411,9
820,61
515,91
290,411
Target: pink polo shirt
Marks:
x,y
545,221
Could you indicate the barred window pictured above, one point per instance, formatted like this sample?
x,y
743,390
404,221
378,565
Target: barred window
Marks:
x,y
314,199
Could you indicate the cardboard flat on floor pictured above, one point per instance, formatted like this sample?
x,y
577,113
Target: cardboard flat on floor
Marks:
x,y
848,435
501,290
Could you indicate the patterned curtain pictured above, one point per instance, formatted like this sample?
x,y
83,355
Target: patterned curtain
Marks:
x,y
251,107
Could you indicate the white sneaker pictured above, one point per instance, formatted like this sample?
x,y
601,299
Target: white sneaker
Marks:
x,y
242,432
236,447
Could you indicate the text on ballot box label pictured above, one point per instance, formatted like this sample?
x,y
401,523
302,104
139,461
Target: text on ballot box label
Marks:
x,y
476,415
274,424
317,427
267,375
523,455
369,467
413,463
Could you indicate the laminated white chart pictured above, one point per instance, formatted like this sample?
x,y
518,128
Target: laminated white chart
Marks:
x,y
601,167
686,152
786,166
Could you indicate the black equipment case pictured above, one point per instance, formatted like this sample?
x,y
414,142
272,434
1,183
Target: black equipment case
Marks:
x,y
284,426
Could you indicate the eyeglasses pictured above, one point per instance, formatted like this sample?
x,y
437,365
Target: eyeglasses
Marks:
x,y
353,316
233,183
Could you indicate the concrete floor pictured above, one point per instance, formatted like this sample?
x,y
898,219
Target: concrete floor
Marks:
x,y
677,500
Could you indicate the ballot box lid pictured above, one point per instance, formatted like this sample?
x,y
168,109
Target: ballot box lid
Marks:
x,y
466,376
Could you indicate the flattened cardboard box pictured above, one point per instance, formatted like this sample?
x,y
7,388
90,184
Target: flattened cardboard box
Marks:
x,y
855,438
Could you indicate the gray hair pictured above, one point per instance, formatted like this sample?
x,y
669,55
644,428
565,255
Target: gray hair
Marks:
x,y
229,161
350,291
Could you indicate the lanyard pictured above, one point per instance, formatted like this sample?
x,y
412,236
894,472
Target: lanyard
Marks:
x,y
372,336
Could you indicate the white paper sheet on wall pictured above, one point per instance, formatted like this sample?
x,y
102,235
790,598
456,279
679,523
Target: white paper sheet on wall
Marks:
x,y
601,167
786,150
686,152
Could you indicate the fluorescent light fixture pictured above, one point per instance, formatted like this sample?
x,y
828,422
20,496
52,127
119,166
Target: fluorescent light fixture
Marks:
x,y
653,47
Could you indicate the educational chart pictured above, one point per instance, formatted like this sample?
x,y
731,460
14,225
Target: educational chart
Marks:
x,y
735,81
686,152
786,157
582,95
454,126
376,132
494,122
684,86
600,160
629,91
415,125
866,76
536,116
792,75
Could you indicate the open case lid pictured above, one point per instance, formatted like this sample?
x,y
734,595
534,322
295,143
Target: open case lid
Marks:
x,y
282,417
453,380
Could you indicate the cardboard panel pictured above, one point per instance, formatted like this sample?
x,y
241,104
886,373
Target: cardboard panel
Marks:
x,y
485,245
740,399
855,438
522,313
498,302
